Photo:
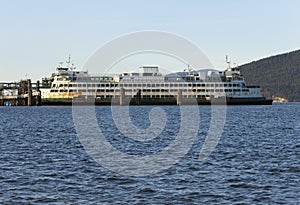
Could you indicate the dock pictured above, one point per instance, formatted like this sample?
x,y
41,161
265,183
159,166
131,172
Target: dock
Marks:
x,y
23,93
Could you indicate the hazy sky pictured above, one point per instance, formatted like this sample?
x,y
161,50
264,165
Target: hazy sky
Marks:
x,y
36,35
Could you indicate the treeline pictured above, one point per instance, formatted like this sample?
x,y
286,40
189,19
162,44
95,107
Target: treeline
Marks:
x,y
279,76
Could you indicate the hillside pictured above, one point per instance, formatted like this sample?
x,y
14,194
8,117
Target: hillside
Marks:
x,y
279,76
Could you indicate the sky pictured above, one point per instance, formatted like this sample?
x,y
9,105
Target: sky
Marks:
x,y
35,35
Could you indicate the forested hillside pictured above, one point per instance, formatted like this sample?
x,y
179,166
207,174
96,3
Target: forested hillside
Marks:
x,y
279,76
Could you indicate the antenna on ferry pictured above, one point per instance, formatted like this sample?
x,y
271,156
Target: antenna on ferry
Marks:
x,y
69,59
228,62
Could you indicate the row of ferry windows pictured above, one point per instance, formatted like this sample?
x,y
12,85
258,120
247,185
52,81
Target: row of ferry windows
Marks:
x,y
151,90
155,96
147,85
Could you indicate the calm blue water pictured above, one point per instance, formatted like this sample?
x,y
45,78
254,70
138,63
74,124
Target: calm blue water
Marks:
x,y
257,160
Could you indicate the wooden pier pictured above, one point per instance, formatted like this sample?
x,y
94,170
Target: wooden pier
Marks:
x,y
23,93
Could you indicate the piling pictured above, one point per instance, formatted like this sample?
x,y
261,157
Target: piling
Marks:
x,y
179,97
138,97
38,97
122,96
29,92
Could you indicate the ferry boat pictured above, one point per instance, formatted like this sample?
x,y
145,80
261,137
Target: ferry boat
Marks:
x,y
148,86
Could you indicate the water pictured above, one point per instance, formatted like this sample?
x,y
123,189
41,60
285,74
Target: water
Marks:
x,y
257,160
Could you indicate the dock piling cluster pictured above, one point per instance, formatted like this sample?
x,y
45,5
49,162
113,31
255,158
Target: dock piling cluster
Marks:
x,y
24,93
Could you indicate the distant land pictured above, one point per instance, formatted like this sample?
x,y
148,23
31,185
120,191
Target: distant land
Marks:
x,y
278,76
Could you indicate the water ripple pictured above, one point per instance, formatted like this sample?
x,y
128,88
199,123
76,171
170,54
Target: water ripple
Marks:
x,y
256,161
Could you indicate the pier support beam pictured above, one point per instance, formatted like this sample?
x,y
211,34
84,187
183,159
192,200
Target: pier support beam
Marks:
x,y
122,96
179,97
